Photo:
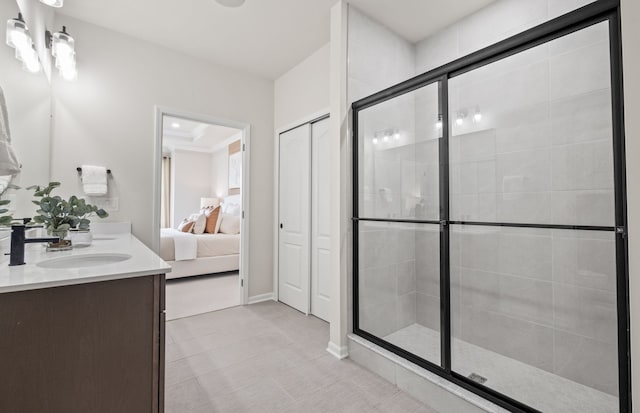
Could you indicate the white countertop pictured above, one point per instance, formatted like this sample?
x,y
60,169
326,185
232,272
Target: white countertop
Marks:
x,y
143,262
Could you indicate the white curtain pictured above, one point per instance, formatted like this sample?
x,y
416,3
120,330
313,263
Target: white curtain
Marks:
x,y
165,208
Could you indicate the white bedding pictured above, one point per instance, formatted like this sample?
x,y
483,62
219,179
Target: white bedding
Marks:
x,y
206,245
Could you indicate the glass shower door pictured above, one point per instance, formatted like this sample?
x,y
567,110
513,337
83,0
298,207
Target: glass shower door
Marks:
x,y
533,252
397,221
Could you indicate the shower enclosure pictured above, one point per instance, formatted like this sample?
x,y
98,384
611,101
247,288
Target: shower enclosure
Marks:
x,y
489,220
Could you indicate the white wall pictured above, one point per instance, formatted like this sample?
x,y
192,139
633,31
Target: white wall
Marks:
x,y
106,117
303,90
631,58
190,181
28,98
220,173
378,57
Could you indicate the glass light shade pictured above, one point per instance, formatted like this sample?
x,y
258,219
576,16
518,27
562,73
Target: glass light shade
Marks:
x,y
17,35
53,3
62,44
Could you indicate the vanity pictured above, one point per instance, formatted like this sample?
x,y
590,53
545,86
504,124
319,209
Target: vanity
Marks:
x,y
83,330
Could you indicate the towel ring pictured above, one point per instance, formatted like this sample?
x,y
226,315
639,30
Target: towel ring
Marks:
x,y
80,171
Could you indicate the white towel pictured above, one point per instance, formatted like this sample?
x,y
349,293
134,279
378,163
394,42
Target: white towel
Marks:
x,y
185,245
9,164
94,180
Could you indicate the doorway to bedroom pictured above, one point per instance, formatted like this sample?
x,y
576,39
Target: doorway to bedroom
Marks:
x,y
201,212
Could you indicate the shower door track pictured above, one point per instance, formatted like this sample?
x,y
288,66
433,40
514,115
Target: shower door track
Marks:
x,y
597,12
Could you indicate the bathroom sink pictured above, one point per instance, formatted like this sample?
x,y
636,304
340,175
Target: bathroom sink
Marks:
x,y
83,261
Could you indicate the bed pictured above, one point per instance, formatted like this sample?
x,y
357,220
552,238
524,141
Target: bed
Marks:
x,y
198,254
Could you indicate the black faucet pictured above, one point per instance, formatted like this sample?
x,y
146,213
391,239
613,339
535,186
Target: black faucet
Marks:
x,y
18,239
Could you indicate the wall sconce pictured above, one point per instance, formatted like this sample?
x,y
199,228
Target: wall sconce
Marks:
x,y
477,117
19,38
63,49
439,122
53,3
460,117
386,135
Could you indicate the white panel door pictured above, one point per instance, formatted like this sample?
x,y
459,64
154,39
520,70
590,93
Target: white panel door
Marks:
x,y
320,225
295,218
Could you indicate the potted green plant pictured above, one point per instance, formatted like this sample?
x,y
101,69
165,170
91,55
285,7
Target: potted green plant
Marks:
x,y
59,215
80,234
5,220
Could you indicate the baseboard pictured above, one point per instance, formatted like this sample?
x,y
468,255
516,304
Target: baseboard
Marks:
x,y
337,351
261,297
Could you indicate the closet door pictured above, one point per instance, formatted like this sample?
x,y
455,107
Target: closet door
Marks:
x,y
320,224
295,218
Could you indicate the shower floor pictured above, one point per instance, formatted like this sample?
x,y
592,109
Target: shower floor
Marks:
x,y
537,388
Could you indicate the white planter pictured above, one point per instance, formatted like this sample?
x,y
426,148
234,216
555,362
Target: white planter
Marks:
x,y
81,239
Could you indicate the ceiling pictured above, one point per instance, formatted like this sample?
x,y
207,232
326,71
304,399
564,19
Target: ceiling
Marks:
x,y
263,37
188,135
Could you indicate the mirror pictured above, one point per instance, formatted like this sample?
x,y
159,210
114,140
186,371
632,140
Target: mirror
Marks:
x,y
28,106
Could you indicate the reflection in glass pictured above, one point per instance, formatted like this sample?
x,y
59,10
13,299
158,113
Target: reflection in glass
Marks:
x,y
399,175
541,151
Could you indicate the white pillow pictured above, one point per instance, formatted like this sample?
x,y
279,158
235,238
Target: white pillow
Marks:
x,y
230,224
200,223
218,222
231,208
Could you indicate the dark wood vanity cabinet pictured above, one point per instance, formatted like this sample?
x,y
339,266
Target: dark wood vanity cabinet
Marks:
x,y
87,348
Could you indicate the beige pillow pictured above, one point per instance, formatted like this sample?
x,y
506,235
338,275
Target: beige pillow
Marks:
x,y
200,223
212,219
230,224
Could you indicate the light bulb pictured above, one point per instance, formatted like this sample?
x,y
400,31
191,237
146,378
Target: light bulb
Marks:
x,y
459,121
477,117
32,66
396,136
53,3
375,141
439,124
175,125
69,74
29,59
386,138
64,62
20,40
61,49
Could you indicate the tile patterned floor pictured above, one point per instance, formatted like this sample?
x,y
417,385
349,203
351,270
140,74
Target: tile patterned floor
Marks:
x,y
265,358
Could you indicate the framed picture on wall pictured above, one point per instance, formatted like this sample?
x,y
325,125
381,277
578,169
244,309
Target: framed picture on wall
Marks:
x,y
235,171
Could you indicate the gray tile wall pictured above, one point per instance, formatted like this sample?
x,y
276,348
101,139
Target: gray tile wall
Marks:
x,y
387,277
